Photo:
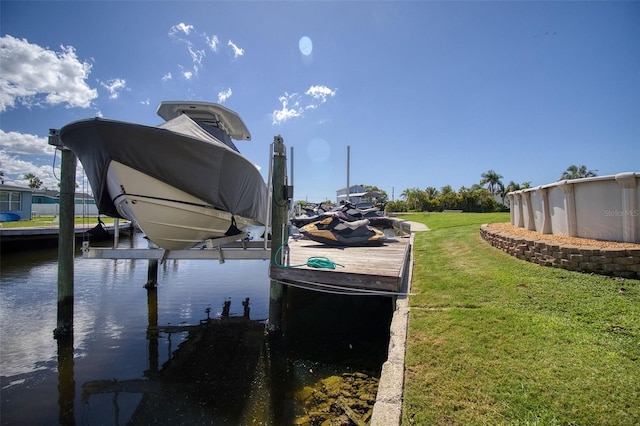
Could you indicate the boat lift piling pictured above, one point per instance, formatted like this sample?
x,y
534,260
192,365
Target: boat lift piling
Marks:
x,y
279,228
152,270
66,240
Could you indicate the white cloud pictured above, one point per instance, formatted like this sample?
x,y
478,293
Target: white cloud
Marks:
x,y
33,75
236,50
167,76
14,170
114,86
187,75
320,93
196,58
286,113
198,44
180,28
24,143
146,102
294,105
15,151
213,42
224,95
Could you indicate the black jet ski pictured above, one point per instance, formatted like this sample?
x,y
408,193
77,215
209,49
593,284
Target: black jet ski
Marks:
x,y
376,218
347,212
310,215
334,231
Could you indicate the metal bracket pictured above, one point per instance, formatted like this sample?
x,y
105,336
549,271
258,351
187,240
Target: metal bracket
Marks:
x,y
165,253
54,139
217,242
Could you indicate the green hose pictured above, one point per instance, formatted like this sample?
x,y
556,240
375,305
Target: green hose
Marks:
x,y
313,262
322,262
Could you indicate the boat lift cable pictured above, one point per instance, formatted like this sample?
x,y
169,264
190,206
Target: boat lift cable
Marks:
x,y
313,261
332,289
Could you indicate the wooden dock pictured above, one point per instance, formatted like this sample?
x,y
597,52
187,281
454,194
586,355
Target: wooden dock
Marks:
x,y
379,268
47,236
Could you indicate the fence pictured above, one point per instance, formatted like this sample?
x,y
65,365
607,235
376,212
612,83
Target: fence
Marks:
x,y
38,210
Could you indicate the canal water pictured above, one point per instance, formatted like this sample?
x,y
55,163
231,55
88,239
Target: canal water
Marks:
x,y
193,351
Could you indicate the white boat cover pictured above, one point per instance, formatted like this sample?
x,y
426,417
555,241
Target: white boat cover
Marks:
x,y
179,152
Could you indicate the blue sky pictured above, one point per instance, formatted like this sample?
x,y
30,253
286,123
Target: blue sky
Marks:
x,y
424,93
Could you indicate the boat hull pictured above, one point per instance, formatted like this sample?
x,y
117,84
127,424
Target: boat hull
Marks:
x,y
170,218
9,217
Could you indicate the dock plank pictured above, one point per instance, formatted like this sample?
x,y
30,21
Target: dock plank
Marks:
x,y
371,268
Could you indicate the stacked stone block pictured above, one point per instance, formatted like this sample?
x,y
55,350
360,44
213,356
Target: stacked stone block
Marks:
x,y
618,262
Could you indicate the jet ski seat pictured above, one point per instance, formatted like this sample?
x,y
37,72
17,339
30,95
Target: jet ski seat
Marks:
x,y
352,225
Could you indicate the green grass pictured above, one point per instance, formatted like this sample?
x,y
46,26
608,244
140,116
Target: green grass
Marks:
x,y
48,221
496,340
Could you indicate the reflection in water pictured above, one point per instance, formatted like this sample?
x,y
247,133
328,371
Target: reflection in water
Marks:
x,y
185,352
207,380
66,382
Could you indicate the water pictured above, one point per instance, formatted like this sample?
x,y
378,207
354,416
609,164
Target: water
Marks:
x,y
120,369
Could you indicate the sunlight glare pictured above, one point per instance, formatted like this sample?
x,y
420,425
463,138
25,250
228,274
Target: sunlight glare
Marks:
x,y
318,150
305,45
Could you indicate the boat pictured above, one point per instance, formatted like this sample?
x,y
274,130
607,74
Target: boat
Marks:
x,y
182,182
334,231
9,217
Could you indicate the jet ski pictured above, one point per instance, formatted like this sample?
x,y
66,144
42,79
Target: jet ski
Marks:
x,y
347,212
334,231
310,215
376,218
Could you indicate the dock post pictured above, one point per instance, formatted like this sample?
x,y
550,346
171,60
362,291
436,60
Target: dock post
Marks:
x,y
116,232
152,270
152,332
279,230
66,240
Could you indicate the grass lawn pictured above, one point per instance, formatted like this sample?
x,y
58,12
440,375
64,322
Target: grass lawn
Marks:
x,y
49,221
495,340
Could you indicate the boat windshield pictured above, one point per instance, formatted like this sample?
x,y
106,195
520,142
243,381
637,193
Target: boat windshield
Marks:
x,y
217,133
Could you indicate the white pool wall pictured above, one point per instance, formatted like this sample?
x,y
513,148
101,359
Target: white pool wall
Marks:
x,y
603,208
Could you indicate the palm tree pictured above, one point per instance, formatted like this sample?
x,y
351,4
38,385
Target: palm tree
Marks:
x,y
2,177
492,180
447,189
431,192
448,198
575,172
512,187
413,197
34,181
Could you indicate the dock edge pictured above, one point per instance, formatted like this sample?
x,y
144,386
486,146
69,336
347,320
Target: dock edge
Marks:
x,y
387,409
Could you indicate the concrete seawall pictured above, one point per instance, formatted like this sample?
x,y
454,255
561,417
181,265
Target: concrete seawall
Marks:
x,y
387,410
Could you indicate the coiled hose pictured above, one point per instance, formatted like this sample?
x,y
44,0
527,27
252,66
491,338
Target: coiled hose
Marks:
x,y
313,261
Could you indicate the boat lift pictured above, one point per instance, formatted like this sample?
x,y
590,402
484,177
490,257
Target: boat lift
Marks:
x,y
232,247
222,249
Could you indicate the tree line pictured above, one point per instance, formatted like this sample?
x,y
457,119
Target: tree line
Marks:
x,y
486,196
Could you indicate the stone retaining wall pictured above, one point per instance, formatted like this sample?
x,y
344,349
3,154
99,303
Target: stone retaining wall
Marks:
x,y
605,261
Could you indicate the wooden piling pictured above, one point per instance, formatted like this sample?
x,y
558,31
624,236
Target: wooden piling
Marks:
x,y
152,332
66,245
279,228
152,270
